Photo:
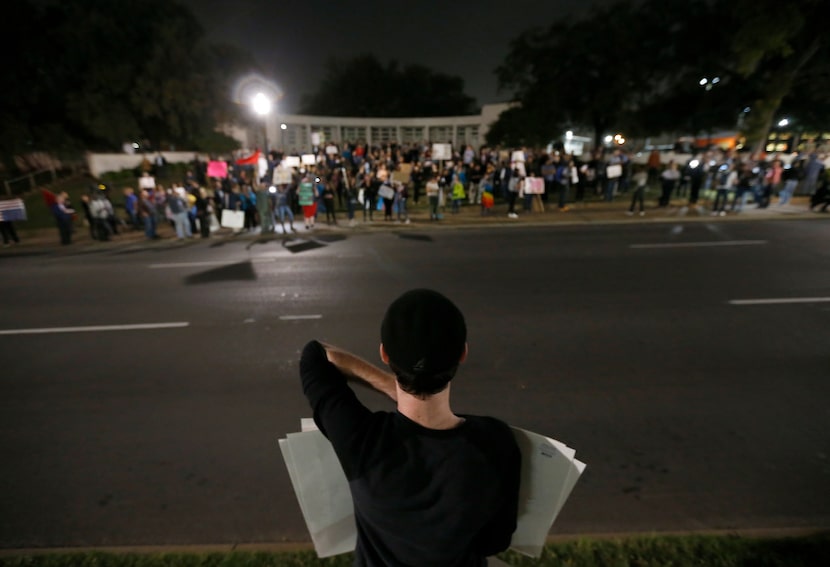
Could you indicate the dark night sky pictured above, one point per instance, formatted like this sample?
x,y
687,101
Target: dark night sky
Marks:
x,y
292,39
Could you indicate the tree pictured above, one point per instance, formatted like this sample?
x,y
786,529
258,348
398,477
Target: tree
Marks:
x,y
600,72
105,73
639,67
363,86
784,47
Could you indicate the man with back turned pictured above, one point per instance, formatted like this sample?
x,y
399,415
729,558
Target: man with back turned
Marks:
x,y
429,486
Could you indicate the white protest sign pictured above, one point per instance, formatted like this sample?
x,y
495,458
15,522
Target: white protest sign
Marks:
x,y
549,473
291,161
441,151
147,182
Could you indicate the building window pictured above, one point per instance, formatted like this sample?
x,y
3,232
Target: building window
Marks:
x,y
466,135
412,134
384,134
354,134
440,134
294,138
327,133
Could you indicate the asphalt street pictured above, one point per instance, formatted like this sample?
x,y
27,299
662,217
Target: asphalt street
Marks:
x,y
144,389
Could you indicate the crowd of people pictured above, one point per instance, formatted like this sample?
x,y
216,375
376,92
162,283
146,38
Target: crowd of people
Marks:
x,y
356,182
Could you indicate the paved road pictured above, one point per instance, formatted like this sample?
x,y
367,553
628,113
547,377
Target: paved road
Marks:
x,y
664,353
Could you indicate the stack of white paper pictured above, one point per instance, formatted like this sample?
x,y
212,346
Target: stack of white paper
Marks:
x,y
549,473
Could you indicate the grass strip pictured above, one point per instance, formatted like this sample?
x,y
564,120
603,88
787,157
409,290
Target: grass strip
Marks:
x,y
642,551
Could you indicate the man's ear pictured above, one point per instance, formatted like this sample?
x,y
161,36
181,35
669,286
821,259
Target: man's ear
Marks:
x,y
383,356
463,354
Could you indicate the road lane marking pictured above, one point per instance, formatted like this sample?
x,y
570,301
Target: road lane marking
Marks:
x,y
779,300
95,328
299,317
700,244
206,263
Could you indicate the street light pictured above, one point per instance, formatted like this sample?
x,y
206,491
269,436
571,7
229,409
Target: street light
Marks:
x,y
707,85
262,106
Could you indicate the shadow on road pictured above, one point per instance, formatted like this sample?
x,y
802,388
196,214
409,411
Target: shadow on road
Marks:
x,y
242,271
421,237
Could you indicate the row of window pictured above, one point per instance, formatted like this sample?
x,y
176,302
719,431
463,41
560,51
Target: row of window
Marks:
x,y
297,135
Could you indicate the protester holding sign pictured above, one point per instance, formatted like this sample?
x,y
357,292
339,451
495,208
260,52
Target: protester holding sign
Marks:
x,y
430,487
308,201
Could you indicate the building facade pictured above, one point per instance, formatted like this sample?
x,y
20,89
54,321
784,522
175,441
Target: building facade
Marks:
x,y
299,133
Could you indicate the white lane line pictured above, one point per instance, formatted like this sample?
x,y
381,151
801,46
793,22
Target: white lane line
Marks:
x,y
95,328
700,244
206,263
779,300
299,317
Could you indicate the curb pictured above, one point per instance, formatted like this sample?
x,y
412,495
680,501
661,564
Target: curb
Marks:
x,y
44,241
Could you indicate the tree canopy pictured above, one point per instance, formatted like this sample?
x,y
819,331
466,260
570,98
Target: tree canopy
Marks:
x,y
101,73
363,86
661,66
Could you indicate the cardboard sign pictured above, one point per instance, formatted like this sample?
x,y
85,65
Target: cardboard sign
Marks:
x,y
309,159
518,156
403,173
613,171
282,176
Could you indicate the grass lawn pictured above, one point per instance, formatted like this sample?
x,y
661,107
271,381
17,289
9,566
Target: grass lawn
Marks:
x,y
40,217
644,551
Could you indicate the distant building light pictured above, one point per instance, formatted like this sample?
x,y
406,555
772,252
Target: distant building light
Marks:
x,y
283,126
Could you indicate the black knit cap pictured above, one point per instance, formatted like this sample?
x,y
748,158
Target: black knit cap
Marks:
x,y
423,332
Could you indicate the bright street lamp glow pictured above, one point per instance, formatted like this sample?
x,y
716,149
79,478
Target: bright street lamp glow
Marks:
x,y
261,104
703,81
608,139
783,122
283,126
569,135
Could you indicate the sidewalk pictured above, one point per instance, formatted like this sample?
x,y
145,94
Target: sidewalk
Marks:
x,y
45,241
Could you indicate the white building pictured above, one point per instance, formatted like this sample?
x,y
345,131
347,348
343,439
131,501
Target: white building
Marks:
x,y
300,130
297,133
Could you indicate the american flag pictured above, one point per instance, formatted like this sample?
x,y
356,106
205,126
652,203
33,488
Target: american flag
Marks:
x,y
12,210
